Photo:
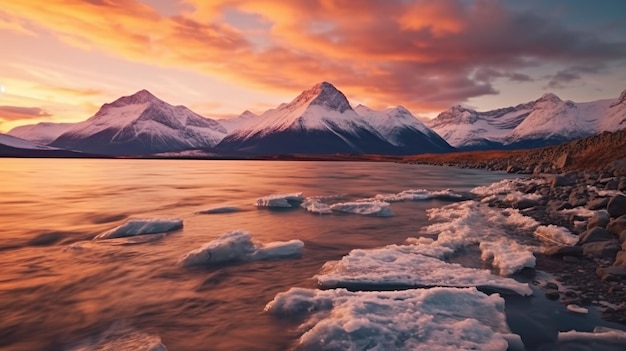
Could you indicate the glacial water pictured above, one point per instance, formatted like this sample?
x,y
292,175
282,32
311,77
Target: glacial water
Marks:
x,y
59,289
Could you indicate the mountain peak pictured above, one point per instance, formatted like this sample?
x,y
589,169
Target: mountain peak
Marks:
x,y
549,97
622,97
141,97
324,94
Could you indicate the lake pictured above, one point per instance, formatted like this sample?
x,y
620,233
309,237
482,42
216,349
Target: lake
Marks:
x,y
55,297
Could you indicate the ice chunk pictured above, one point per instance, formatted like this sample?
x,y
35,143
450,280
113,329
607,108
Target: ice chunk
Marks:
x,y
420,194
424,319
409,266
508,256
555,235
280,200
316,206
577,309
519,196
599,334
578,211
222,209
238,246
365,208
141,227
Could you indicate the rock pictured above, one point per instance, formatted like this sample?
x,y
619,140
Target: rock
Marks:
x,y
560,180
598,204
551,286
560,251
599,219
523,204
601,249
594,235
617,225
612,185
622,238
552,294
578,198
512,169
563,161
617,206
620,259
611,273
622,185
571,259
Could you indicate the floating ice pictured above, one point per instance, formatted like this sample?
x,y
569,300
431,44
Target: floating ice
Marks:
x,y
365,208
431,319
598,334
316,206
280,200
218,210
409,266
577,309
420,194
555,235
142,226
238,246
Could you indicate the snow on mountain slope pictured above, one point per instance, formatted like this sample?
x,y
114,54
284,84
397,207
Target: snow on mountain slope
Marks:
x,y
400,128
41,133
141,124
11,141
318,121
233,123
547,120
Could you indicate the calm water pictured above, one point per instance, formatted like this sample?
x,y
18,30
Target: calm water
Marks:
x,y
51,298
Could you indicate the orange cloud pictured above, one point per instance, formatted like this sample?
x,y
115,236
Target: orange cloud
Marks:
x,y
421,54
13,113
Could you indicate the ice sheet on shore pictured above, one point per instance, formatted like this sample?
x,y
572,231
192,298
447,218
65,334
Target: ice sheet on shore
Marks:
x,y
220,209
314,205
141,227
280,200
364,208
578,211
420,194
409,266
505,186
508,256
238,246
423,319
555,235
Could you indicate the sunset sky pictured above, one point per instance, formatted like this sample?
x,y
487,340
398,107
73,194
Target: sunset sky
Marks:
x,y
62,59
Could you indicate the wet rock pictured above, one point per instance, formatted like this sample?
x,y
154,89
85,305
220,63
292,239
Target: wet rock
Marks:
x,y
622,185
598,204
617,206
571,259
552,294
512,169
601,249
622,238
524,203
620,259
612,185
599,219
560,251
611,273
560,180
594,235
551,286
617,225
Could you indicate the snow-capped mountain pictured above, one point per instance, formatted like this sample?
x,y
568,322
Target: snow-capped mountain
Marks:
x,y
400,128
41,133
233,123
141,124
318,121
18,143
545,121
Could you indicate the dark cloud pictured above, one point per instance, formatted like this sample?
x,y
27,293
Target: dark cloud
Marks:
x,y
14,113
563,77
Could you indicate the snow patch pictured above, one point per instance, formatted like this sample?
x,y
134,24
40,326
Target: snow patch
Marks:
x,y
432,319
238,246
141,227
555,235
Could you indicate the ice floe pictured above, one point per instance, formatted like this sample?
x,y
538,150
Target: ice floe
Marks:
x,y
577,309
578,211
221,209
365,208
238,246
420,194
422,319
555,235
598,334
280,200
316,206
405,266
141,227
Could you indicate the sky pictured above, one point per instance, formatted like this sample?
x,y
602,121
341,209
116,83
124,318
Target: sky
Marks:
x,y
60,60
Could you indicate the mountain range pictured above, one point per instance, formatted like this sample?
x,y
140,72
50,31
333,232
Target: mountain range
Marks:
x,y
318,121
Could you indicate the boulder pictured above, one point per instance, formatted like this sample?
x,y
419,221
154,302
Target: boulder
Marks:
x,y
601,249
599,219
563,161
622,238
598,204
617,225
560,251
611,273
620,259
596,234
560,180
622,185
617,206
